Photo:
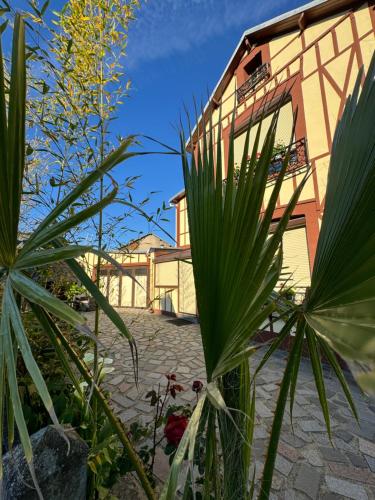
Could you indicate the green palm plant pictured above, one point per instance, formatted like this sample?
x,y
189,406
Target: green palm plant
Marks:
x,y
237,263
339,311
44,246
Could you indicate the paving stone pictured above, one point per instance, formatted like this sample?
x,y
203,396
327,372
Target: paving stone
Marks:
x,y
260,432
121,400
357,460
270,387
298,411
283,465
262,394
358,475
347,447
332,455
371,462
278,481
345,488
288,452
165,348
124,387
344,435
308,480
311,426
117,380
262,410
366,431
367,447
301,400
313,457
328,496
294,440
128,415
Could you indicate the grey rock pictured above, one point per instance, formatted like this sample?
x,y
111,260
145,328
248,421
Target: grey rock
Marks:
x,y
60,476
308,480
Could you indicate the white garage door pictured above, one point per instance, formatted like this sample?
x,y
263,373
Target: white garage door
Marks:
x,y
129,291
187,299
296,258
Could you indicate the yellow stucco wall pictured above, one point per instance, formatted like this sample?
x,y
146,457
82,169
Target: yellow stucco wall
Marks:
x,y
324,91
166,273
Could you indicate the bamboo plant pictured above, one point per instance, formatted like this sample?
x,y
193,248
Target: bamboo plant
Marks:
x,y
18,259
237,263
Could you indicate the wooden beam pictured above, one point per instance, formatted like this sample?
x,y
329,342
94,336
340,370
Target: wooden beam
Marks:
x,y
215,102
302,21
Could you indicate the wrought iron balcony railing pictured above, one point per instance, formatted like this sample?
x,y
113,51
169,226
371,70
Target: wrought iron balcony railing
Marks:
x,y
260,74
298,158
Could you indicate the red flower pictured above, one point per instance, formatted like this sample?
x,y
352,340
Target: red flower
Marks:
x,y
197,386
174,389
175,428
171,376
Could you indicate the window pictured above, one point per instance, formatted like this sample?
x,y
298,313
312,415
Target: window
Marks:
x,y
252,65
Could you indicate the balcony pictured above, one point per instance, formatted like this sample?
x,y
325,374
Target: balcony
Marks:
x,y
298,159
260,74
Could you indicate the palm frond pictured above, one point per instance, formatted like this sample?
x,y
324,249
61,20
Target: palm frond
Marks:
x,y
341,303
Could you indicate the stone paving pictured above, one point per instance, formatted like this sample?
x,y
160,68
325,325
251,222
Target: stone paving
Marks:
x,y
307,466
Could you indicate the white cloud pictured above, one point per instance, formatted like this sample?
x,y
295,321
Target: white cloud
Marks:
x,y
166,27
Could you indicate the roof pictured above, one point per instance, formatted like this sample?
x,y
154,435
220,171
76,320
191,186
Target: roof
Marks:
x,y
311,12
139,239
289,21
177,197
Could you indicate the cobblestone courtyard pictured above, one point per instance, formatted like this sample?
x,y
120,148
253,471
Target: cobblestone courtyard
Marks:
x,y
307,466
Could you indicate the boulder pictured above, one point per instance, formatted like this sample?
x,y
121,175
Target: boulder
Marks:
x,y
60,476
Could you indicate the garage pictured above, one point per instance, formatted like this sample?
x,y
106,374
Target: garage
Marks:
x,y
128,288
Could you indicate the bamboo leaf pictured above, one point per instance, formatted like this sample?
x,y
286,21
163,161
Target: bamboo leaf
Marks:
x,y
42,237
44,257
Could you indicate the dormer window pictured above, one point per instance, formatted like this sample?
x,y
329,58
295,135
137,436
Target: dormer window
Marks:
x,y
254,64
255,71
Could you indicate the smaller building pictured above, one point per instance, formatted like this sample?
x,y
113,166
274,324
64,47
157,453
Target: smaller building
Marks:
x,y
129,283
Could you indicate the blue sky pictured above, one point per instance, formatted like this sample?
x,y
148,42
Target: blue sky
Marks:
x,y
177,49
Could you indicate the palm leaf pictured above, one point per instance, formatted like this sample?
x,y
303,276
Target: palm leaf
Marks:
x,y
341,304
14,399
294,357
